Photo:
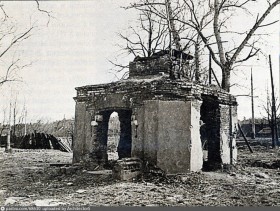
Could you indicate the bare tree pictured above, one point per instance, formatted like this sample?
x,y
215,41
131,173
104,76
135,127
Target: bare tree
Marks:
x,y
10,38
14,120
10,62
4,124
268,116
149,36
180,36
169,12
224,51
211,21
156,31
9,73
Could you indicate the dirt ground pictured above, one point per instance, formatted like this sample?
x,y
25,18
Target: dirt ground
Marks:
x,y
28,178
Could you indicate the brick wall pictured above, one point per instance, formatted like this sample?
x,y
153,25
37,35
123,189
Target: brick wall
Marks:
x,y
149,66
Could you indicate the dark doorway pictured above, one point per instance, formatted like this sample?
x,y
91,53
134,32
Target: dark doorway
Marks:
x,y
210,132
124,146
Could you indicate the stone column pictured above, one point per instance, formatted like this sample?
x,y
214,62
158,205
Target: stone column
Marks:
x,y
87,145
137,133
99,137
196,152
79,132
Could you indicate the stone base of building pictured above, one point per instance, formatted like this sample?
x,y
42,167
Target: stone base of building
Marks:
x,y
127,169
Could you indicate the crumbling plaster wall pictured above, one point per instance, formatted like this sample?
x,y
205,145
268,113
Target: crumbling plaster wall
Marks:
x,y
169,135
234,130
196,156
176,139
137,145
228,118
149,66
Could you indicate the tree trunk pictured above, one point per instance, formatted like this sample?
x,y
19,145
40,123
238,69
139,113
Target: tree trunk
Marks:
x,y
197,62
8,146
150,38
217,33
171,24
226,79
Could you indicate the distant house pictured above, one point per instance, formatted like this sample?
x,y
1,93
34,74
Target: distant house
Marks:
x,y
3,135
3,141
261,127
265,132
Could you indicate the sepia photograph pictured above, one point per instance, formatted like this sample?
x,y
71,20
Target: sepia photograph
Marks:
x,y
139,103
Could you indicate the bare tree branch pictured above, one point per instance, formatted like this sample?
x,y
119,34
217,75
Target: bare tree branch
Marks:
x,y
21,37
252,31
48,13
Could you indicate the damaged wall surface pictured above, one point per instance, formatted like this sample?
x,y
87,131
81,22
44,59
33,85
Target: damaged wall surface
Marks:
x,y
160,119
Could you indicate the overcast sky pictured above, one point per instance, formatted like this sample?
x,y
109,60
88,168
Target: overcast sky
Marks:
x,y
74,49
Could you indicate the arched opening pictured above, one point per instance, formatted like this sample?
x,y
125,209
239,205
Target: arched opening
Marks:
x,y
113,136
116,144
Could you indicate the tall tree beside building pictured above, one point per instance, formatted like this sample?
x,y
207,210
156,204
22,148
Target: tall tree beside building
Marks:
x,y
212,22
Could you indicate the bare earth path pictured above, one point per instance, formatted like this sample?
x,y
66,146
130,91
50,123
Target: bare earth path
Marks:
x,y
28,179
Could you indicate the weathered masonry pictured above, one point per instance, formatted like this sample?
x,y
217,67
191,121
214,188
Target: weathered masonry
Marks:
x,y
164,122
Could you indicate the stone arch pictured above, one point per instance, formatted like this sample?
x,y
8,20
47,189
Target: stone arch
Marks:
x,y
124,145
